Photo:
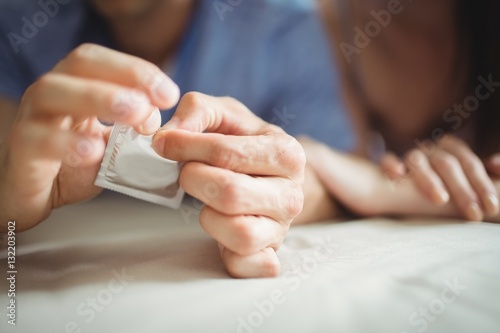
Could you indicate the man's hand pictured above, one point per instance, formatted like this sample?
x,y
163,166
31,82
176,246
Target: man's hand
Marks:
x,y
247,172
53,150
450,170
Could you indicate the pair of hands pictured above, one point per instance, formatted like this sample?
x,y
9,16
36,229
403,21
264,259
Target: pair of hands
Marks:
x,y
450,171
54,149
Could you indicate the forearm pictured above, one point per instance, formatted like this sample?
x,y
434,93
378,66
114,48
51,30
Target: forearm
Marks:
x,y
363,188
318,203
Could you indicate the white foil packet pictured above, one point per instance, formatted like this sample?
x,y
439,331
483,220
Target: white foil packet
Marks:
x,y
132,167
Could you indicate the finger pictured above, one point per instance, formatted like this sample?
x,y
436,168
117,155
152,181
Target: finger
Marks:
x,y
197,112
57,95
476,174
33,140
449,169
426,178
392,166
38,150
263,264
242,234
272,155
100,63
234,193
493,165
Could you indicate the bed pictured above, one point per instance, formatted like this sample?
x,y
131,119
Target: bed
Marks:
x,y
116,264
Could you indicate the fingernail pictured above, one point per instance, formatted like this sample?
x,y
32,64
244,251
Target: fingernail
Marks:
x,y
159,144
152,123
441,197
491,204
221,248
129,101
167,91
474,213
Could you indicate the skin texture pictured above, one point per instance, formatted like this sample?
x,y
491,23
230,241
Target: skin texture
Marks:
x,y
371,192
450,169
248,173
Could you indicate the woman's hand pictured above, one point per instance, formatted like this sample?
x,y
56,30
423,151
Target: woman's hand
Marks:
x,y
450,171
363,187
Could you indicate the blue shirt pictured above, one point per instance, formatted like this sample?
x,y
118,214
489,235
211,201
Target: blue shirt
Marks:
x,y
272,55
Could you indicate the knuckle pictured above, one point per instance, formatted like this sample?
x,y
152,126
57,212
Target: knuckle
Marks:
x,y
236,105
232,198
245,240
291,155
444,161
293,202
80,53
270,266
192,100
450,139
224,156
232,101
447,138
415,158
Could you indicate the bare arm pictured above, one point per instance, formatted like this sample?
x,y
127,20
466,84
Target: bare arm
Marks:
x,y
362,187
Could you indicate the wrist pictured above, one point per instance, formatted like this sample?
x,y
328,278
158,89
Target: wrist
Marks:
x,y
318,203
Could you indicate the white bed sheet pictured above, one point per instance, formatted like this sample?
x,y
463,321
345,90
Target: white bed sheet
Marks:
x,y
116,264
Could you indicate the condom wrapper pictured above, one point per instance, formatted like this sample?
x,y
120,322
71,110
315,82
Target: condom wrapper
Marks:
x,y
131,166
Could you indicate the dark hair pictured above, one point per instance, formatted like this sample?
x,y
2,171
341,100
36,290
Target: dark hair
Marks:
x,y
479,30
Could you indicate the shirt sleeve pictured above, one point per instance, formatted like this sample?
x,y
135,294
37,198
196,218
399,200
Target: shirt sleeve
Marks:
x,y
12,80
309,103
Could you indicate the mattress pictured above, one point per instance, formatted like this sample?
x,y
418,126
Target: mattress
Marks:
x,y
116,264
